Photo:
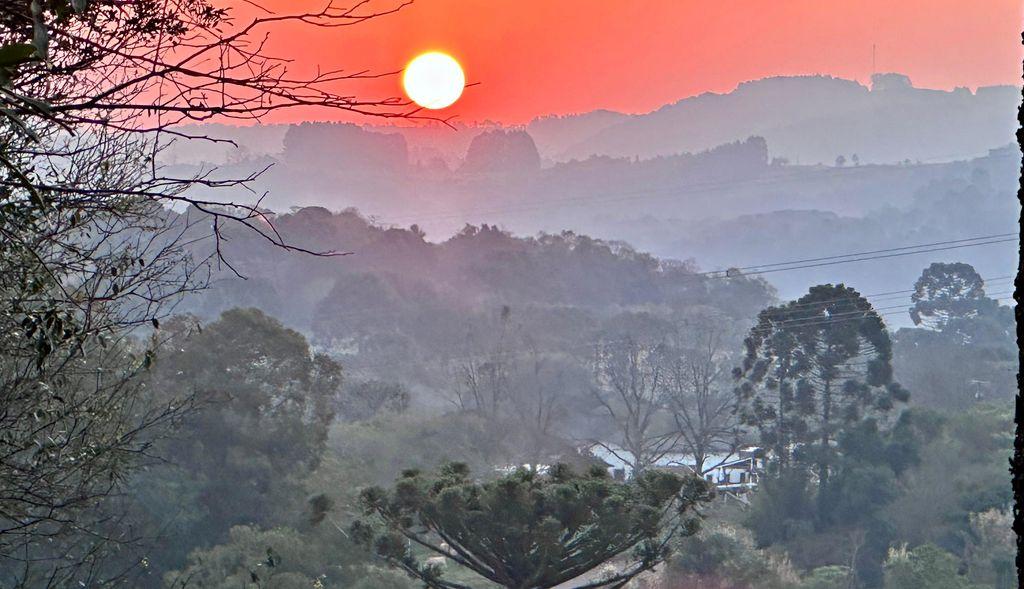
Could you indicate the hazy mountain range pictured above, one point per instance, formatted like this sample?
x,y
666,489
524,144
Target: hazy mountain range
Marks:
x,y
723,180
814,119
805,119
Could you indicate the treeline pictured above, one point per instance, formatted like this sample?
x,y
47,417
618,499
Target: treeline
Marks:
x,y
403,308
914,494
527,385
559,341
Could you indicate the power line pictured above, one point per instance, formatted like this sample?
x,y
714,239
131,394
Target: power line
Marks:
x,y
846,316
725,273
881,296
880,251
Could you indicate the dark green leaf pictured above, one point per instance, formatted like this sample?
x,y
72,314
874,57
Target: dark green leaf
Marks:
x,y
15,54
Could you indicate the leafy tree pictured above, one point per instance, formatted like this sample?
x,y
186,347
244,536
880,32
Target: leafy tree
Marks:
x,y
868,464
924,566
971,361
827,577
782,509
940,494
358,303
366,398
720,554
376,451
281,558
947,291
266,403
991,548
378,578
851,528
528,530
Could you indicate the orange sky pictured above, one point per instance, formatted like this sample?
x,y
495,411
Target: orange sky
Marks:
x,y
537,57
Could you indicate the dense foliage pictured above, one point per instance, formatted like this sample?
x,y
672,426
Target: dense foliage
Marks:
x,y
814,368
965,349
265,407
530,530
90,255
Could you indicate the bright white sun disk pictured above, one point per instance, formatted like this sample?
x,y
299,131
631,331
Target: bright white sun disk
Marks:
x,y
434,80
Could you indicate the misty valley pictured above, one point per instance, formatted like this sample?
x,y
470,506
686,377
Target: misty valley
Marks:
x,y
754,339
512,353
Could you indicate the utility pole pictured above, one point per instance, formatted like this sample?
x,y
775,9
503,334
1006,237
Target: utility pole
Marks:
x,y
977,386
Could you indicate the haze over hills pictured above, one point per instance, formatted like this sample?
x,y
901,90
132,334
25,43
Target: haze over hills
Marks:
x,y
814,119
725,180
401,296
805,119
762,339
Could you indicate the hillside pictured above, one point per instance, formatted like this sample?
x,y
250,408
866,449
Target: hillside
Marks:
x,y
814,119
401,308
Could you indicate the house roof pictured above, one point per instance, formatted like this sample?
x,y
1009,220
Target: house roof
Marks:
x,y
617,457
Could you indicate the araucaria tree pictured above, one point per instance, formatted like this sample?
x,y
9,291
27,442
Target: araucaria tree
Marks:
x,y
528,530
815,368
964,349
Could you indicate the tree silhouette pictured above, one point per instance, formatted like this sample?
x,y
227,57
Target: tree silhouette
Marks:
x,y
631,386
947,291
701,401
91,92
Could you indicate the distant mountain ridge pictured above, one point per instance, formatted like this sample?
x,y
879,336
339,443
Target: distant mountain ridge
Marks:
x,y
557,134
804,119
815,119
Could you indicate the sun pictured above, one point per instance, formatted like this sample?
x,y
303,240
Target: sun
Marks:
x,y
434,80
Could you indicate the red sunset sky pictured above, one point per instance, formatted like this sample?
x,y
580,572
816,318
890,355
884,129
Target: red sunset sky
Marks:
x,y
537,57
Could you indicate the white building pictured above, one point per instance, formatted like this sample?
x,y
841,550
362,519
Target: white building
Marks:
x,y
739,471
